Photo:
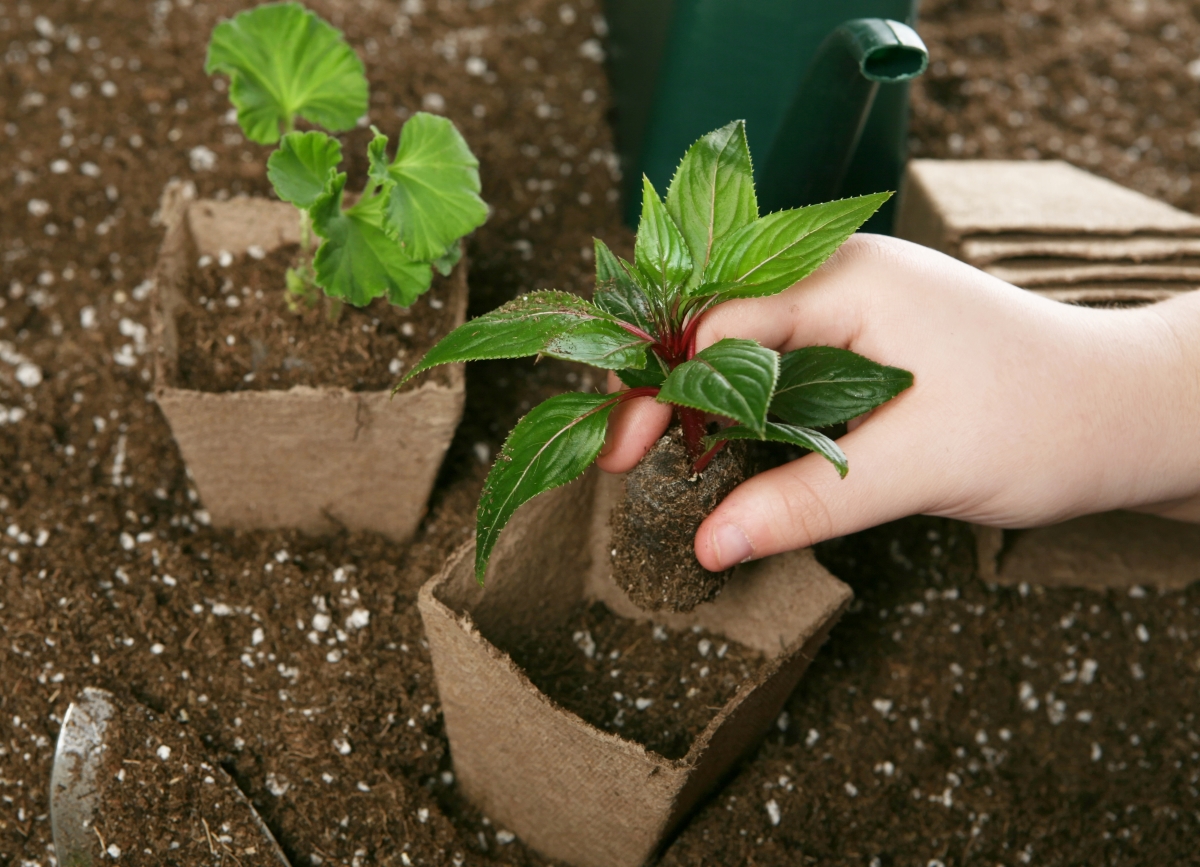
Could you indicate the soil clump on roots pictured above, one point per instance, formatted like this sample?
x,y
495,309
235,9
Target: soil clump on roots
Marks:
x,y
654,525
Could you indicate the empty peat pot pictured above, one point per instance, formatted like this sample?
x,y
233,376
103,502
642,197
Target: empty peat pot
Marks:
x,y
569,789
309,458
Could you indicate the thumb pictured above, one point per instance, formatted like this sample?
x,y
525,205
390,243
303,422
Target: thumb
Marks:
x,y
805,502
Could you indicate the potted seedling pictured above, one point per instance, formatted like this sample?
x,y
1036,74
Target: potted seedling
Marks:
x,y
279,403
705,245
567,780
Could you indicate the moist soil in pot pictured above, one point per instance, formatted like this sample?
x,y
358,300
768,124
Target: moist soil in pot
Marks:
x,y
648,684
654,525
237,331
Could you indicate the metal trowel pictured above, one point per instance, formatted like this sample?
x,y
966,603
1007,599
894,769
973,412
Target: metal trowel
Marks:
x,y
77,783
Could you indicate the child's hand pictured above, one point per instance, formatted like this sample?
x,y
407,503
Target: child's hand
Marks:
x,y
1024,411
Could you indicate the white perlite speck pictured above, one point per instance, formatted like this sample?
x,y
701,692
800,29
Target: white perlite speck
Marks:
x,y
29,374
38,207
851,790
643,703
1027,696
201,159
277,785
1143,634
423,815
813,737
114,851
705,647
342,746
883,705
584,641
773,812
1087,671
358,619
591,49
164,752
505,837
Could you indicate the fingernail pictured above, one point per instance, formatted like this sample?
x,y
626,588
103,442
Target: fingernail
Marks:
x,y
731,545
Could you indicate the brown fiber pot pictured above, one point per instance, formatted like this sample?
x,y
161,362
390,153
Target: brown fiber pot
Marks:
x,y
573,792
313,459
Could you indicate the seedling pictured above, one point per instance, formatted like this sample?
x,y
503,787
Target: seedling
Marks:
x,y
705,245
284,63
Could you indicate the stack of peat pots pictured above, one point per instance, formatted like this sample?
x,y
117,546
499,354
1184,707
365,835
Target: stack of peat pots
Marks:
x,y
1071,236
312,458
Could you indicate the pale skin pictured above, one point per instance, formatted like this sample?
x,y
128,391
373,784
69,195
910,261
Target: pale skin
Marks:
x,y
1023,412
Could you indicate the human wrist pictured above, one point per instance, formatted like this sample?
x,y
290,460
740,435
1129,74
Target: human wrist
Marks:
x,y
1155,418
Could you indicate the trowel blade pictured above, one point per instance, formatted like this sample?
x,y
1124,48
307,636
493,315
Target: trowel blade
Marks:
x,y
76,787
74,793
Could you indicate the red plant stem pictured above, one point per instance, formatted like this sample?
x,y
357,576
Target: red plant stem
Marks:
x,y
692,421
640,391
704,459
636,332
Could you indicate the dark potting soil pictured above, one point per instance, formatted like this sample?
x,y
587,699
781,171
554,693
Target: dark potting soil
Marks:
x,y
1047,729
238,333
648,684
654,525
163,801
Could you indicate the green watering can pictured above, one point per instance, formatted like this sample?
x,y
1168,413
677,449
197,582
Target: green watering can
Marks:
x,y
821,86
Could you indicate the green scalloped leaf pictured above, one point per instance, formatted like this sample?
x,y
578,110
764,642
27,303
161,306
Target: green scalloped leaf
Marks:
x,y
284,62
304,166
432,185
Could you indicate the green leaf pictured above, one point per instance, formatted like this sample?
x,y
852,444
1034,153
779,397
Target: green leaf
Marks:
x,y
548,448
732,378
358,261
712,193
660,253
617,292
303,167
821,386
449,259
786,433
651,376
433,198
284,62
540,323
779,249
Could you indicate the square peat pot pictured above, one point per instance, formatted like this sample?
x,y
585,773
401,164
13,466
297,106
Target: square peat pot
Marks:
x,y
313,459
1110,550
570,790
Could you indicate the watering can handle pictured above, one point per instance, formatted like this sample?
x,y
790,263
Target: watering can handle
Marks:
x,y
807,161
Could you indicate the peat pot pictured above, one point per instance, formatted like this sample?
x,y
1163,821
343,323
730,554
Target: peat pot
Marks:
x,y
313,459
576,793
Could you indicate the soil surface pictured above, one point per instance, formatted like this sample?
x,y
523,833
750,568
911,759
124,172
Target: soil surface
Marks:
x,y
157,768
946,722
648,684
238,332
654,525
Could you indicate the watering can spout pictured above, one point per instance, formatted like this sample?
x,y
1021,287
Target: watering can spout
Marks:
x,y
812,150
